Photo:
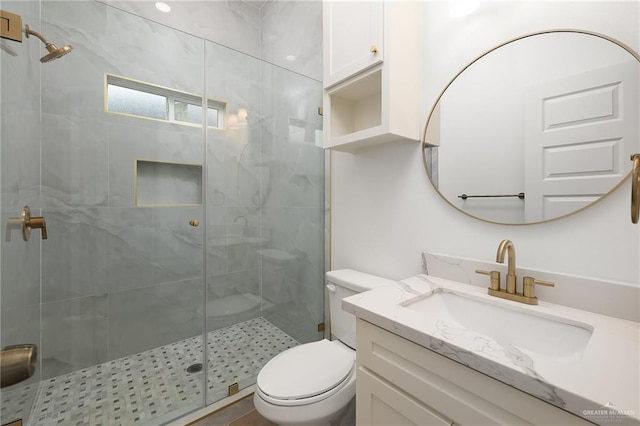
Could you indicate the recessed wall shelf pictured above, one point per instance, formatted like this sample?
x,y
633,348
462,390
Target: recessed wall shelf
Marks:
x,y
167,184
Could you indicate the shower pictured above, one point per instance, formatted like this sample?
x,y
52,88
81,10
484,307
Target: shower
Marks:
x,y
128,297
55,52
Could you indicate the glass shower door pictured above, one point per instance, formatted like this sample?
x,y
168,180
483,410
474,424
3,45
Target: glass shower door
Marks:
x,y
114,297
265,210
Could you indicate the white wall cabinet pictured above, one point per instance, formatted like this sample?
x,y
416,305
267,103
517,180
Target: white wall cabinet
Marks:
x,y
402,383
353,31
371,73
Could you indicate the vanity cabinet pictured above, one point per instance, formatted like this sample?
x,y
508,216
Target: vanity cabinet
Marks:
x,y
402,383
371,73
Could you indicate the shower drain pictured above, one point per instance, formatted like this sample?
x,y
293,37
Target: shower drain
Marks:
x,y
194,368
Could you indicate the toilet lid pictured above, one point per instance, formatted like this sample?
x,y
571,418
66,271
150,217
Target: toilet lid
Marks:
x,y
306,370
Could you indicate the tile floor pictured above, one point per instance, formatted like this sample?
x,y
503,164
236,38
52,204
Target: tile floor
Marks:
x,y
241,413
140,389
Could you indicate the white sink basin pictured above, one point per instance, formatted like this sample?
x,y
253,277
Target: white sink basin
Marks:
x,y
576,360
505,322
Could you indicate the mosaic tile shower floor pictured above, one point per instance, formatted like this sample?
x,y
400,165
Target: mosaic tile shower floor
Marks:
x,y
140,389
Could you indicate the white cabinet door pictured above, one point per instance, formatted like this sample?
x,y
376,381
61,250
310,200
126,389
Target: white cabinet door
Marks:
x,y
353,38
381,404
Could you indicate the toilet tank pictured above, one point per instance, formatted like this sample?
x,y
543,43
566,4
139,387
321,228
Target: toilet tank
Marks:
x,y
344,283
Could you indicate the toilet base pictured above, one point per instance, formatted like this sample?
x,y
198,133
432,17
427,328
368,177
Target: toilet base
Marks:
x,y
329,411
346,417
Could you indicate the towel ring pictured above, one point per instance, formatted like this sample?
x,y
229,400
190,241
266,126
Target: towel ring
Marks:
x,y
635,188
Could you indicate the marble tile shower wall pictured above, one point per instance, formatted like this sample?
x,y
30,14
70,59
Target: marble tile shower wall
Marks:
x,y
20,158
258,32
282,44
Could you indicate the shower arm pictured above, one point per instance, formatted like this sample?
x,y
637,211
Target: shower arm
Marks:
x,y
28,31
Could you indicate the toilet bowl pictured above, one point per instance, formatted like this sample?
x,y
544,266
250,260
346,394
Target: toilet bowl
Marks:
x,y
307,384
313,383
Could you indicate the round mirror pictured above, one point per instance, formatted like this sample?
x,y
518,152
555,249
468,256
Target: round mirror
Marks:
x,y
537,128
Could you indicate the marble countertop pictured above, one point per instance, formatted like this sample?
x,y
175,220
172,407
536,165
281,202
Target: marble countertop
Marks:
x,y
600,384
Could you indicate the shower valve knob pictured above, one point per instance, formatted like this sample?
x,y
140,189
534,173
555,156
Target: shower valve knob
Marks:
x,y
26,222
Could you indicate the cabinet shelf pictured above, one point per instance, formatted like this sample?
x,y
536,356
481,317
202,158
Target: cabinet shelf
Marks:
x,y
356,106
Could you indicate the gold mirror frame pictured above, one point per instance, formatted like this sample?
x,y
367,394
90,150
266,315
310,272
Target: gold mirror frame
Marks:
x,y
425,145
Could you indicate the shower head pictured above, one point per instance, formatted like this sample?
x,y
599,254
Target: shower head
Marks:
x,y
55,52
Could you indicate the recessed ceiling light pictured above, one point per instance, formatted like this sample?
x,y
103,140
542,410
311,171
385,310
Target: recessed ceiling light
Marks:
x,y
163,7
291,58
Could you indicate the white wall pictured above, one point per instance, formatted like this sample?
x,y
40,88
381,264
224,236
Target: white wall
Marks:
x,y
385,212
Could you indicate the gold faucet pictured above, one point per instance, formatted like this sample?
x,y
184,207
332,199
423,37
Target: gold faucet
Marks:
x,y
507,246
528,291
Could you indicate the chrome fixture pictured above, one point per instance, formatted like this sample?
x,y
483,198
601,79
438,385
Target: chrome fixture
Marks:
x,y
635,188
17,363
194,368
26,223
55,52
528,295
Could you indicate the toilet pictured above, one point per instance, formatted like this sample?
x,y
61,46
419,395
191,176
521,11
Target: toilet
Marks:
x,y
313,383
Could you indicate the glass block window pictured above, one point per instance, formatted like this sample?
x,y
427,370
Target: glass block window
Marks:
x,y
125,96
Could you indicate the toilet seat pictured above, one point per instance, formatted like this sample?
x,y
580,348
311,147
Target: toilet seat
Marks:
x,y
297,377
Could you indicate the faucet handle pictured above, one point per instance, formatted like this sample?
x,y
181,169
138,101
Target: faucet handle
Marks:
x,y
530,283
495,278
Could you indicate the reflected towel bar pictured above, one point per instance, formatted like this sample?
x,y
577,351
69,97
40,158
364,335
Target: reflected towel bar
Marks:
x,y
519,195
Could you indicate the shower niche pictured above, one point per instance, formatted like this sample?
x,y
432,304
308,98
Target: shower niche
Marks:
x,y
167,184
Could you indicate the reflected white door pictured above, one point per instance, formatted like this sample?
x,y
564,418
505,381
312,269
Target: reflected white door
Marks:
x,y
579,133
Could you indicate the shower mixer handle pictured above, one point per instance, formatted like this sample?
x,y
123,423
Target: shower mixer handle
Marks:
x,y
26,223
12,223
39,223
